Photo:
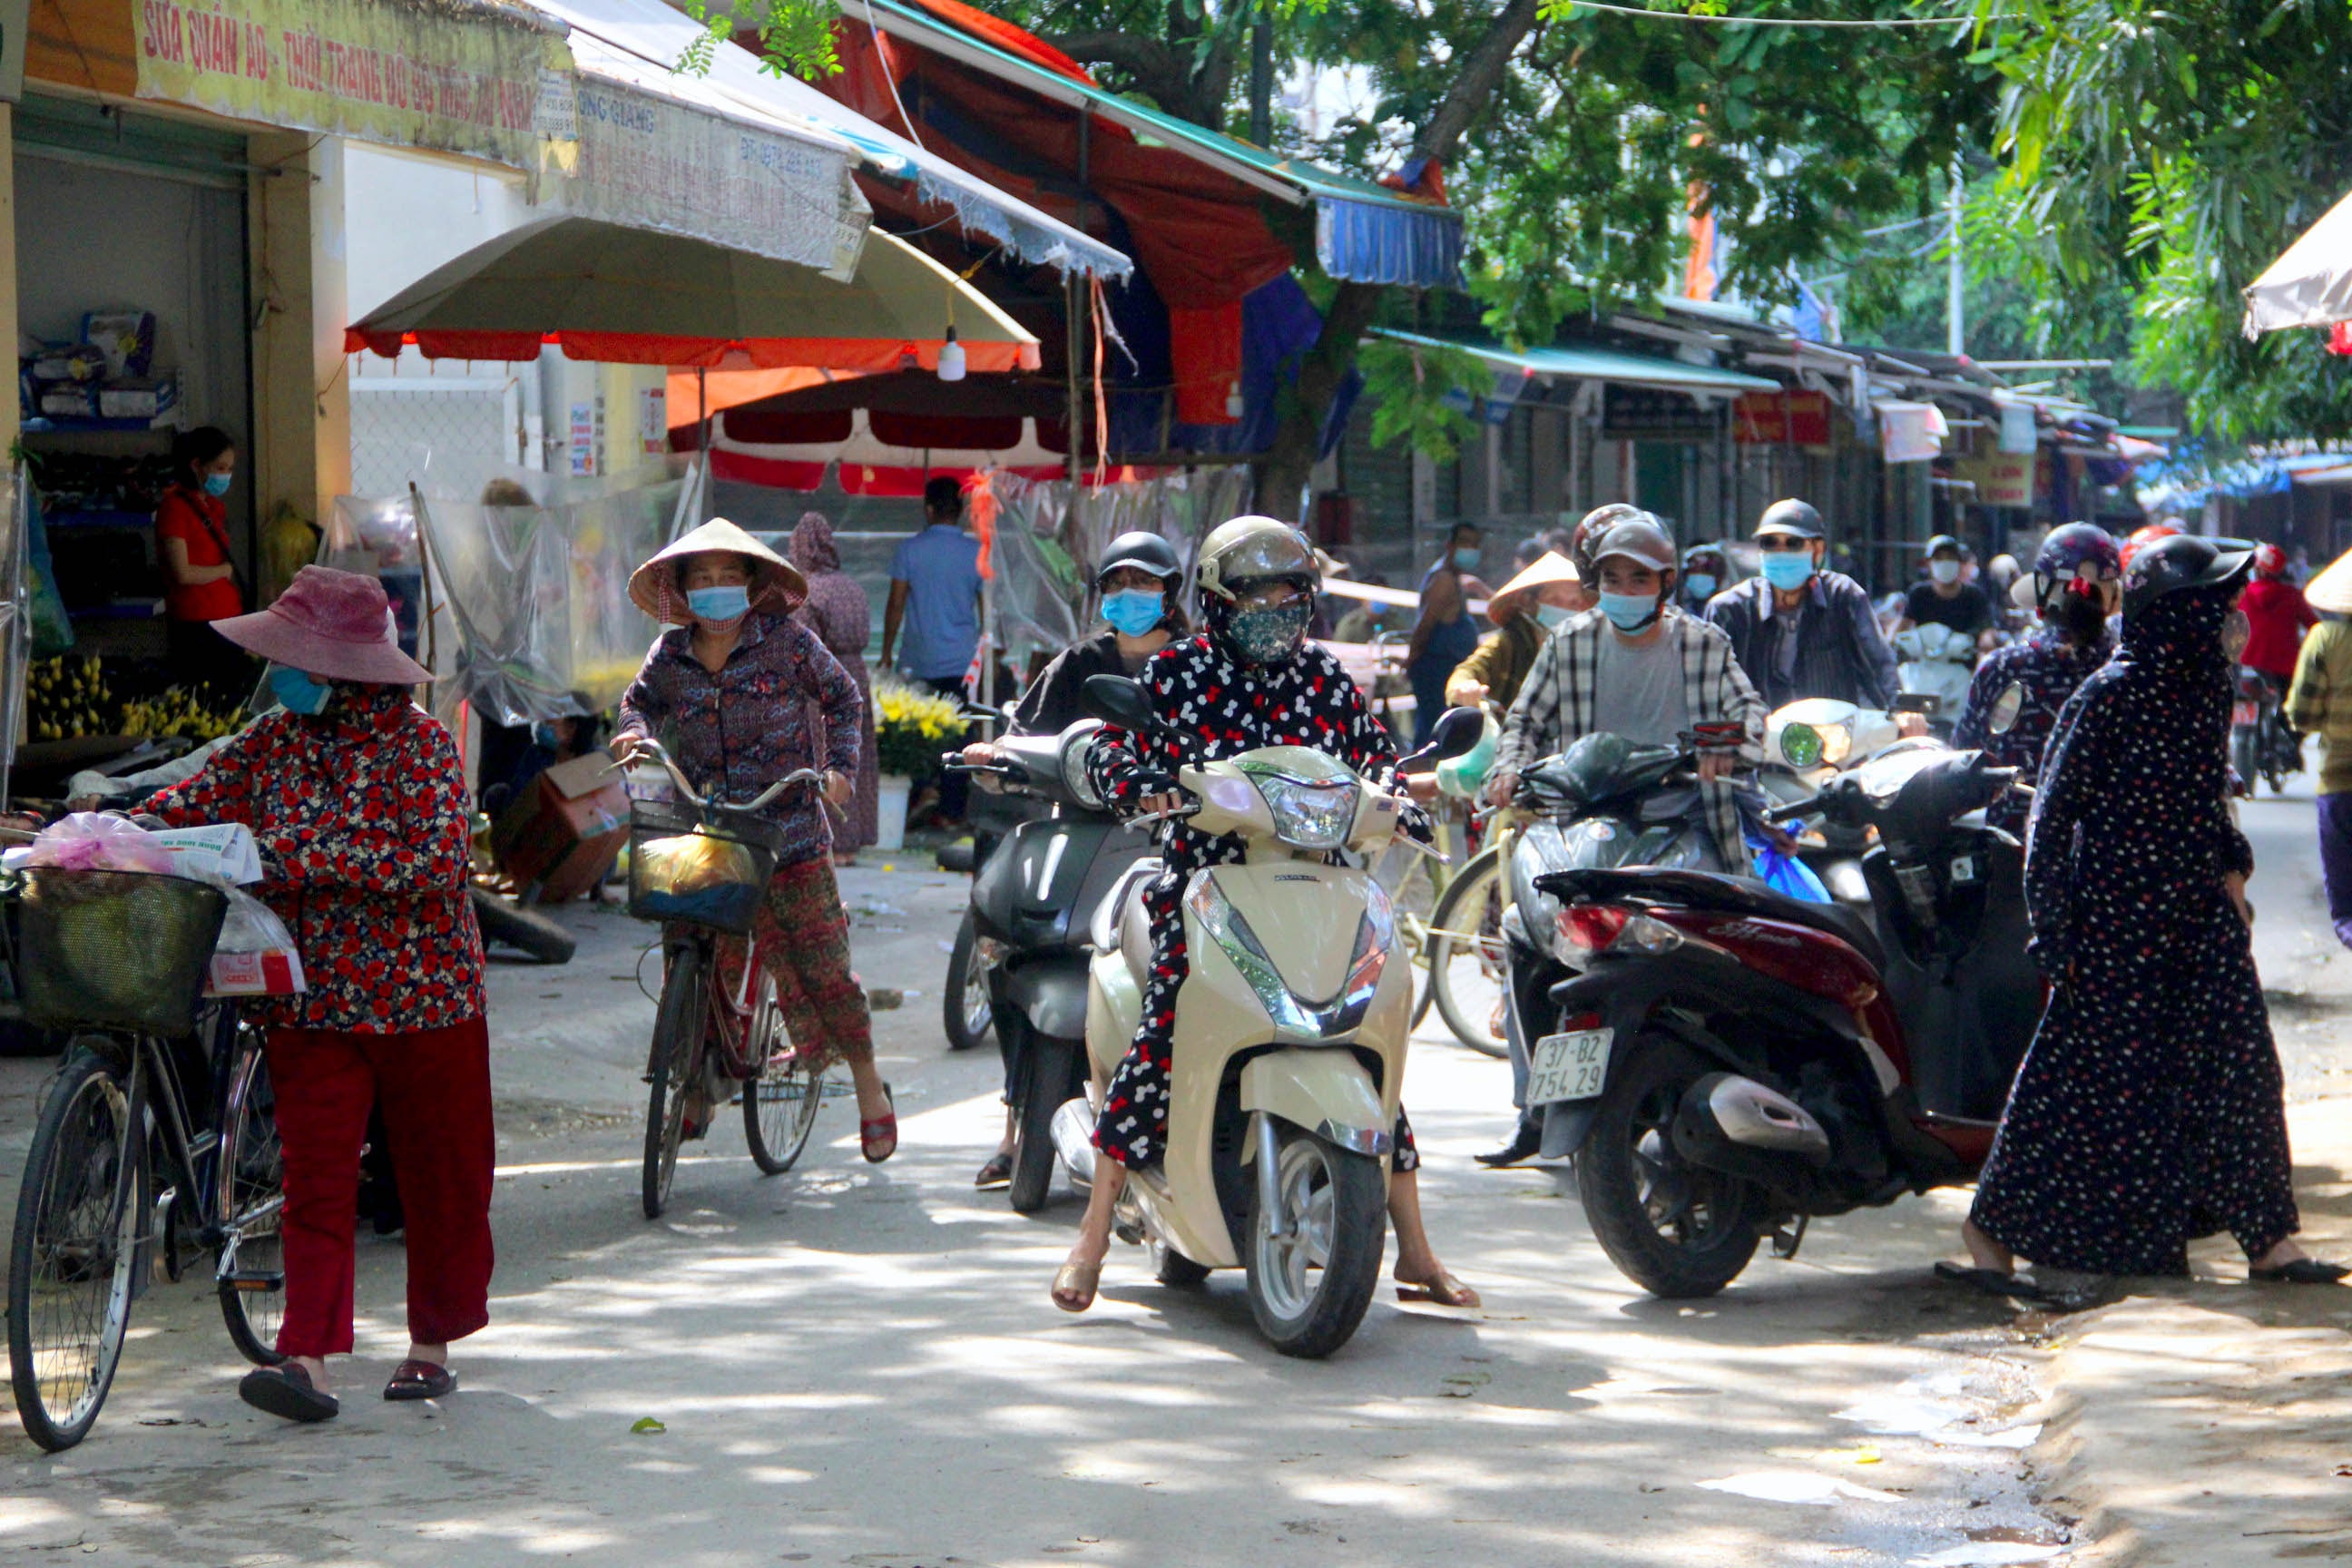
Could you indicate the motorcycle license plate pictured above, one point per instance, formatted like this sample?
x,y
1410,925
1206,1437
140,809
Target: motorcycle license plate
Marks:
x,y
1569,1066
2243,713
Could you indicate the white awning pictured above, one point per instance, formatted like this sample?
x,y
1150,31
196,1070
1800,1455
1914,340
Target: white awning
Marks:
x,y
658,37
2310,285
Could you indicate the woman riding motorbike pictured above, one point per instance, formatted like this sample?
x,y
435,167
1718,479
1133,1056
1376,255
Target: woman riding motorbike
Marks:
x,y
729,690
1250,681
1137,580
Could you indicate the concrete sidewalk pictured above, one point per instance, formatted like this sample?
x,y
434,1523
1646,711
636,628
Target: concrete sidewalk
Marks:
x,y
2209,1421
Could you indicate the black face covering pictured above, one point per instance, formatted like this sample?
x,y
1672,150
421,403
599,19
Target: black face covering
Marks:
x,y
2183,631
2080,616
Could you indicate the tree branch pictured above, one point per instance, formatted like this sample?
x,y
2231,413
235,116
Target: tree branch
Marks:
x,y
1480,78
1153,67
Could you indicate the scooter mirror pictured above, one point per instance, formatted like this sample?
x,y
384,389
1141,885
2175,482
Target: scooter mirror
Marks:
x,y
2005,709
1458,731
1116,699
1908,702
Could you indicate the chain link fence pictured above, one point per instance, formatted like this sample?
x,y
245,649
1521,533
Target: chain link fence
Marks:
x,y
447,437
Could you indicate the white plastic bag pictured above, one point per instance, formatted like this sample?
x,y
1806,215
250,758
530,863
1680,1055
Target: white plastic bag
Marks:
x,y
256,955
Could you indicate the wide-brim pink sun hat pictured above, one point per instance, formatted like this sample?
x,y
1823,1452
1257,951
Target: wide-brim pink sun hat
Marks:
x,y
334,625
776,583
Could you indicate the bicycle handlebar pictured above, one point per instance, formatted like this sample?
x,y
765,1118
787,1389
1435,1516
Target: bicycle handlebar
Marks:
x,y
647,745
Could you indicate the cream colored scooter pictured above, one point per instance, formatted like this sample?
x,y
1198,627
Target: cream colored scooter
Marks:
x,y
1290,1037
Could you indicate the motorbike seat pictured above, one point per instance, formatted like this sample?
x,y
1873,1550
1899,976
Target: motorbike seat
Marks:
x,y
1713,891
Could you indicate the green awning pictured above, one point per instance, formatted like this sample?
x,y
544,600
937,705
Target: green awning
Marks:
x,y
1563,363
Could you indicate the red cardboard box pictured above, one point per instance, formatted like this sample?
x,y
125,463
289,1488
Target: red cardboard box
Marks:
x,y
566,830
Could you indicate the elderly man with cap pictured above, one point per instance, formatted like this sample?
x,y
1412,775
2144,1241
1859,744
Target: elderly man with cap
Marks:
x,y
1525,611
1640,668
356,799
1799,630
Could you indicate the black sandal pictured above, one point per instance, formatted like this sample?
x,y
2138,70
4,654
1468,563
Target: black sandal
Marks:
x,y
997,1173
2302,1271
287,1391
1990,1281
413,1380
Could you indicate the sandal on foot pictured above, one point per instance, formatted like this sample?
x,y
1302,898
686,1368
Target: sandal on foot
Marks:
x,y
1074,1286
877,1139
288,1393
1443,1292
997,1173
420,1380
1990,1281
2302,1271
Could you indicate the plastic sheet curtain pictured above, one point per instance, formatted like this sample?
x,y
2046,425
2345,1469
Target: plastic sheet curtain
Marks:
x,y
15,624
1043,595
533,600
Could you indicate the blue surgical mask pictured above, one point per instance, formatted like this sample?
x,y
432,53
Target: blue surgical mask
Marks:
x,y
217,484
1788,570
297,692
543,736
1134,611
1466,560
1628,612
729,602
1944,570
1552,615
1699,585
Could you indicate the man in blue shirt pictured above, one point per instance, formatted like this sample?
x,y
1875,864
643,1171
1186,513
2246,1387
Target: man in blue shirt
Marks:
x,y
1799,629
935,595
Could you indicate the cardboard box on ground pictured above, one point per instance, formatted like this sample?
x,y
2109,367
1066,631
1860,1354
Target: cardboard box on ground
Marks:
x,y
564,831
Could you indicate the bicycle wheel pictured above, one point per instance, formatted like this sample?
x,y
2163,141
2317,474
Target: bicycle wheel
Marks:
x,y
1466,955
250,1274
673,1070
73,1264
780,1105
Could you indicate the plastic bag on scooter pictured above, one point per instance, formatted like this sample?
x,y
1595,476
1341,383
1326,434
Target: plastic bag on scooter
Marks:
x,y
1785,874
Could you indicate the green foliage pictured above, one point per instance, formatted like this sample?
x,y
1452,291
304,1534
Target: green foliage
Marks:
x,y
2173,153
795,35
1409,382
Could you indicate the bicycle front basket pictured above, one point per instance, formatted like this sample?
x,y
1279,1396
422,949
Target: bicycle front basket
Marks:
x,y
121,950
681,870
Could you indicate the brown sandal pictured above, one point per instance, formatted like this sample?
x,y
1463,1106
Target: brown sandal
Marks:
x,y
1443,1292
1074,1286
420,1380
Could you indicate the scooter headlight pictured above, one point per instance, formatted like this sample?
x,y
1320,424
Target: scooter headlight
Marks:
x,y
1813,745
1077,743
1309,816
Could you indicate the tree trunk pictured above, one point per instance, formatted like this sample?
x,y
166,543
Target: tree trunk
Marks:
x,y
1298,432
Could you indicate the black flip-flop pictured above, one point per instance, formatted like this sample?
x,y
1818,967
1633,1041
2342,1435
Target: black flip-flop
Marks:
x,y
1990,1281
413,1380
997,1173
287,1391
2302,1271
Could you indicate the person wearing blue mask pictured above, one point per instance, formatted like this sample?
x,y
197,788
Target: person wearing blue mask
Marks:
x,y
1525,611
1640,666
202,584
1445,634
1139,578
1800,631
1705,570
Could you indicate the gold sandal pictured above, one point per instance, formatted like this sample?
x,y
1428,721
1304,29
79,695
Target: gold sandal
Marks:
x,y
1074,1286
1443,1292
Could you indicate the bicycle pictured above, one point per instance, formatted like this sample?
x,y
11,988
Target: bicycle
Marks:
x,y
701,871
121,958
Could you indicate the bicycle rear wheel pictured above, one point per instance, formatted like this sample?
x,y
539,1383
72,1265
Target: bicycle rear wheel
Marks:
x,y
780,1105
1466,955
73,1263
673,1070
250,1274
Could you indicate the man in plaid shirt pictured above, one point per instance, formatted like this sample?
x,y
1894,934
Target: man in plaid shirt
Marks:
x,y
1639,667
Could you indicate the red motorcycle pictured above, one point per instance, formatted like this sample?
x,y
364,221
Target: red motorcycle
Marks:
x,y
1731,1062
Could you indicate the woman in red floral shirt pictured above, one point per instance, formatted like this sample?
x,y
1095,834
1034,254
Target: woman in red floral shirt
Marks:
x,y
357,799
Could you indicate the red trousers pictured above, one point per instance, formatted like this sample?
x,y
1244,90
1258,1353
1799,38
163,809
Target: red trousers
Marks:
x,y
435,1088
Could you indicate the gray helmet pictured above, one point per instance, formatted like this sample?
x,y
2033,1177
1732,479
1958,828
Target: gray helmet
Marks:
x,y
1251,550
1589,529
1793,517
1640,538
1145,552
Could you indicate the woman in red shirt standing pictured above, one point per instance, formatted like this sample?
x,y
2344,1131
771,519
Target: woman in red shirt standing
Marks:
x,y
192,538
356,798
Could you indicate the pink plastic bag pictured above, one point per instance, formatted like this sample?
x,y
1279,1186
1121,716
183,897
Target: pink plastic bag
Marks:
x,y
87,841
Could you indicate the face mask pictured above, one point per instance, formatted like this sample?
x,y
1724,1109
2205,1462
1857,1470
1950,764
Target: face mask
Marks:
x,y
1788,570
297,692
543,736
1134,611
217,484
1629,612
719,606
1944,570
1466,561
1552,615
1264,635
2078,614
2234,632
1700,584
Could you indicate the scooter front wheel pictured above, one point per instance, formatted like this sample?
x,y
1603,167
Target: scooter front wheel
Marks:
x,y
1674,1228
1314,1265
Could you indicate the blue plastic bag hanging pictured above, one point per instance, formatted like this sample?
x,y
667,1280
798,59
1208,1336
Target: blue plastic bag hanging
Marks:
x,y
1785,874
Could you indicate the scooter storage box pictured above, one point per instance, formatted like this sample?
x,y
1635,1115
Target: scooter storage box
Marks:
x,y
565,830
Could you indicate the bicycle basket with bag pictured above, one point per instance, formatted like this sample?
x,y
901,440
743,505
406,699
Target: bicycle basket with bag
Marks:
x,y
682,870
122,950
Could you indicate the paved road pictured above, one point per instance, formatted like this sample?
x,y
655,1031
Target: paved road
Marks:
x,y
857,1364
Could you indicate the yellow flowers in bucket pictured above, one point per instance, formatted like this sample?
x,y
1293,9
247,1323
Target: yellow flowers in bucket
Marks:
x,y
913,727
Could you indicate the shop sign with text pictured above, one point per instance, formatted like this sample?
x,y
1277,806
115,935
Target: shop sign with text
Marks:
x,y
2002,478
1781,419
474,79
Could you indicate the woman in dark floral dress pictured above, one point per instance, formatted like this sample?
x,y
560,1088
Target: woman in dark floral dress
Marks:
x,y
837,611
356,798
1250,681
2150,1110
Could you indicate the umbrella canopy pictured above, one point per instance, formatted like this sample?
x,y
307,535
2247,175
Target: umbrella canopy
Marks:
x,y
629,296
2311,284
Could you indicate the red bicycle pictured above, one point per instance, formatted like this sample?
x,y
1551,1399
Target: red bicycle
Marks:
x,y
701,867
